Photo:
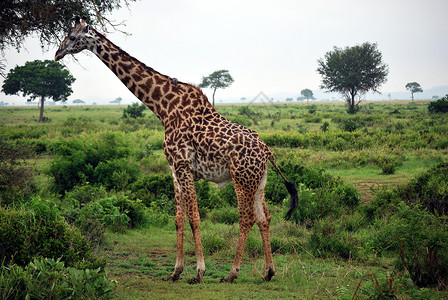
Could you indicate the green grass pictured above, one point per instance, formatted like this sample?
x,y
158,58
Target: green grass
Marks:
x,y
141,259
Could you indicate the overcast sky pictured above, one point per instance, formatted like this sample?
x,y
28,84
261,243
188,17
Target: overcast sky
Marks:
x,y
269,46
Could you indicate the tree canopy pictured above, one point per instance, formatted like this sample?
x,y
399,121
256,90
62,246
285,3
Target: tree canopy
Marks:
x,y
414,87
49,19
39,79
307,94
353,71
217,80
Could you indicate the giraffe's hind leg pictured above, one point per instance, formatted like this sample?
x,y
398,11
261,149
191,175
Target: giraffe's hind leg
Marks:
x,y
263,219
247,220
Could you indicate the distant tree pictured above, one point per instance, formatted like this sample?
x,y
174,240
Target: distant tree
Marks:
x,y
117,100
288,99
353,71
39,79
78,101
414,87
243,99
307,94
134,110
217,80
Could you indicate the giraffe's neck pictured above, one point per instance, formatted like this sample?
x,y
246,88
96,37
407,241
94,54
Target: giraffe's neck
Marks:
x,y
171,101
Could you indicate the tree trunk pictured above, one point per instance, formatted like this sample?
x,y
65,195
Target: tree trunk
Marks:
x,y
41,114
214,91
351,104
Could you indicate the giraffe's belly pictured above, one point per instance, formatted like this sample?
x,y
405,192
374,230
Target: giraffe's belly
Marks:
x,y
215,171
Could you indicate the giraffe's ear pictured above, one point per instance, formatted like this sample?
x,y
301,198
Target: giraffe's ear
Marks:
x,y
76,19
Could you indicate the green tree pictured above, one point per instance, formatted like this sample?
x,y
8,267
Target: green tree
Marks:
x,y
39,79
48,19
217,80
414,87
353,71
307,94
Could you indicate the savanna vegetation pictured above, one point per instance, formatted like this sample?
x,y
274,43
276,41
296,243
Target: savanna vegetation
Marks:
x,y
87,208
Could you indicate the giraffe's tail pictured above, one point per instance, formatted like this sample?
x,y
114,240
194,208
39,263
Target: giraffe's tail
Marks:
x,y
292,190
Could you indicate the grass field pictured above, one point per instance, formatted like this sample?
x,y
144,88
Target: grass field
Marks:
x,y
385,145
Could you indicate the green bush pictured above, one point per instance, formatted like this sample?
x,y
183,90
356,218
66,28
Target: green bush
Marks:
x,y
104,161
439,106
227,195
155,190
420,240
49,279
329,240
16,176
134,111
429,189
314,205
227,215
106,213
135,210
38,230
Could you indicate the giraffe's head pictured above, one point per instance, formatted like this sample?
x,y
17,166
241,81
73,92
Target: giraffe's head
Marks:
x,y
78,39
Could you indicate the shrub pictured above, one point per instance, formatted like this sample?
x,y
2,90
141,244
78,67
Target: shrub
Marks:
x,y
49,279
439,106
134,111
106,213
421,242
242,120
83,194
429,189
38,230
135,210
104,160
227,195
314,204
227,215
15,175
151,188
327,240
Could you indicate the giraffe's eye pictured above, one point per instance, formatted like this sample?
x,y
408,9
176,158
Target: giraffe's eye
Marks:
x,y
72,38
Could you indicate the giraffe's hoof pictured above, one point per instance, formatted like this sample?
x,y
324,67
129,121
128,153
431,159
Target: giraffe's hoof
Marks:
x,y
194,280
173,278
269,275
225,280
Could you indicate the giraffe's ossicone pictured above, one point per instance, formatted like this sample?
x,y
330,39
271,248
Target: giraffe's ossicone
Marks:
x,y
199,144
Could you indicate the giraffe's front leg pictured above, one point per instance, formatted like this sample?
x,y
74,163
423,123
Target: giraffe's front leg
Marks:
x,y
187,190
180,221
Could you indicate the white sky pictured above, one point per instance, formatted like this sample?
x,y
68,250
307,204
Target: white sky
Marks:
x,y
270,46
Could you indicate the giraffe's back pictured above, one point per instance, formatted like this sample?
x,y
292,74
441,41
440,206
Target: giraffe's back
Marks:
x,y
220,144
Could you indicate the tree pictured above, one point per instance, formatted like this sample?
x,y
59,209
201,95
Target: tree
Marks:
x,y
50,20
414,87
117,100
78,101
39,79
307,94
353,71
217,80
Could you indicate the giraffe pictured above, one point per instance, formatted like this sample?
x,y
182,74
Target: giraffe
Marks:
x,y
199,144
